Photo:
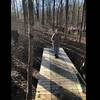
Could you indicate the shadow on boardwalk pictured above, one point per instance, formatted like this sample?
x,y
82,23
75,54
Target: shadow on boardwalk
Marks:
x,y
59,92
60,71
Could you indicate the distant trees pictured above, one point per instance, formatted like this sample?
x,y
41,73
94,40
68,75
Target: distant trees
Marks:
x,y
65,13
82,22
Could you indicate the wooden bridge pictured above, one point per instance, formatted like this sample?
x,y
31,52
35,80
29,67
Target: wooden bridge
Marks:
x,y
57,79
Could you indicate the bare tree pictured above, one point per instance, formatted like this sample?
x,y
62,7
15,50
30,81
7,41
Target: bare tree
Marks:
x,y
57,22
78,19
49,12
25,13
43,12
84,15
33,12
78,15
73,13
66,9
30,52
58,11
37,8
61,12
53,14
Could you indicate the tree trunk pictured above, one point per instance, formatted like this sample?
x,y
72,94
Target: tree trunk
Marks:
x,y
49,13
57,17
58,14
61,12
82,22
43,12
53,15
33,12
14,8
30,52
73,13
37,8
66,9
78,20
17,8
25,13
85,15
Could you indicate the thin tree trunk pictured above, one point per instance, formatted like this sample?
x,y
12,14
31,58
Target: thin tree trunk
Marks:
x,y
85,15
21,8
17,8
37,8
78,20
61,12
82,23
73,13
25,13
33,13
58,13
43,12
30,53
57,17
49,14
14,8
66,9
53,15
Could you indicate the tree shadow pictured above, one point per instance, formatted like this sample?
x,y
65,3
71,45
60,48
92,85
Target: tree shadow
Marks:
x,y
58,91
60,71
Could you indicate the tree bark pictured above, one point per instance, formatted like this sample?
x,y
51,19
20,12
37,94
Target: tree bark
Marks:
x,y
78,20
43,12
57,22
25,14
61,13
49,12
73,13
30,53
53,15
37,8
66,9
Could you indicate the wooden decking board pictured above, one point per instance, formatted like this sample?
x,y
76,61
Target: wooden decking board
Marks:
x,y
57,78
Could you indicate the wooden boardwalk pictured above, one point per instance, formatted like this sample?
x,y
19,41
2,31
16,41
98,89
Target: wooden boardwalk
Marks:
x,y
57,79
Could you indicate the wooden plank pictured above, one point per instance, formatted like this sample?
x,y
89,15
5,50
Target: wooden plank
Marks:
x,y
57,78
